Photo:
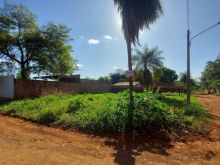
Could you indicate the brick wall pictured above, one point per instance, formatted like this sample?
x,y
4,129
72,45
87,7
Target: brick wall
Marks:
x,y
161,88
32,88
94,86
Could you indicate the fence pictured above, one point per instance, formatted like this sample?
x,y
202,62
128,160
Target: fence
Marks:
x,y
159,88
94,86
7,87
10,88
33,88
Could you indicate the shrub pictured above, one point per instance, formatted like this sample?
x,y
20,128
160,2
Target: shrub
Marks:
x,y
75,105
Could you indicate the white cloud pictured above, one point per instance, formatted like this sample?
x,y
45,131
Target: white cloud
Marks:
x,y
79,65
107,37
93,41
115,67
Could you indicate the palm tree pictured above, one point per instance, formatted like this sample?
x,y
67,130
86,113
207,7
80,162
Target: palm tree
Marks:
x,y
136,15
148,60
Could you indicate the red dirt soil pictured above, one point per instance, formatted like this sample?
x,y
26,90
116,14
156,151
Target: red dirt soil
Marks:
x,y
22,142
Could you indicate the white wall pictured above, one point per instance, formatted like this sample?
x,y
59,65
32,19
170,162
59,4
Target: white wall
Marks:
x,y
7,87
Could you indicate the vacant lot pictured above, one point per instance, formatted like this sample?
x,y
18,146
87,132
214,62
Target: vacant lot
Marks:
x,y
23,142
111,112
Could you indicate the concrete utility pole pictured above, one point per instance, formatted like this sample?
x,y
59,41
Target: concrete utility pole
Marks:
x,y
188,83
189,41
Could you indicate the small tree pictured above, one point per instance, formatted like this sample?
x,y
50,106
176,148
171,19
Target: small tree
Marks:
x,y
147,61
169,76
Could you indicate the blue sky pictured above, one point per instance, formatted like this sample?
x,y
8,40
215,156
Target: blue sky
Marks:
x,y
100,47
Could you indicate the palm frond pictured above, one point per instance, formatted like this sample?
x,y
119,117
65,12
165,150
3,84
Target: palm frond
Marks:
x,y
148,58
137,15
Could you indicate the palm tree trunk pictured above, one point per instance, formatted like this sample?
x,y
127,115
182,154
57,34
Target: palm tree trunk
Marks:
x,y
130,114
145,78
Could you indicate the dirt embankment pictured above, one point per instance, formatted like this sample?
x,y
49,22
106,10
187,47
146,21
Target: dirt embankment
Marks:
x,y
22,142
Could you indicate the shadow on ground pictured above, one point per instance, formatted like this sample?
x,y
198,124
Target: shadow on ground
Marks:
x,y
127,147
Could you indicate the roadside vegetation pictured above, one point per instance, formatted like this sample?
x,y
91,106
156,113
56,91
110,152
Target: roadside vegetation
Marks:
x,y
109,112
210,80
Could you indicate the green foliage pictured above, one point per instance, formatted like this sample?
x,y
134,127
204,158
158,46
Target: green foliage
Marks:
x,y
117,76
75,105
157,73
183,78
147,77
146,61
169,76
210,79
137,16
6,68
109,112
105,78
35,49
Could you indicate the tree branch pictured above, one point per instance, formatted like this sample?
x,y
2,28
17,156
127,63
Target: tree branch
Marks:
x,y
11,57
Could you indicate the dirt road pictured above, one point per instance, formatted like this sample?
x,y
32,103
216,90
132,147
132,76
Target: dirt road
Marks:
x,y
22,142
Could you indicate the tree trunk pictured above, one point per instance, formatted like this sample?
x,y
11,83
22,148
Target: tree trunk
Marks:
x,y
147,78
23,72
130,114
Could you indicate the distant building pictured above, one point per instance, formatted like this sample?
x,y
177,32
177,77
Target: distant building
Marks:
x,y
120,86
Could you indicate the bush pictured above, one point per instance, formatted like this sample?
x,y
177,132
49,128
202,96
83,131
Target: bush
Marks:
x,y
75,105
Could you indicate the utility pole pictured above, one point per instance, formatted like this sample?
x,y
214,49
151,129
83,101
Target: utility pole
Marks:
x,y
188,82
189,41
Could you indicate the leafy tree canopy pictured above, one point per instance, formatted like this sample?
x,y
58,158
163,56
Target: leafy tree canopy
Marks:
x,y
6,68
211,75
182,80
169,76
118,76
33,48
146,61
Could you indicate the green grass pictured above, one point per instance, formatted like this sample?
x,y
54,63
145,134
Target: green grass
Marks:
x,y
109,112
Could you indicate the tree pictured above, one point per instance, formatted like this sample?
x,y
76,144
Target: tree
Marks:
x,y
169,76
35,49
183,78
6,68
147,61
56,58
210,79
104,78
136,15
118,76
157,73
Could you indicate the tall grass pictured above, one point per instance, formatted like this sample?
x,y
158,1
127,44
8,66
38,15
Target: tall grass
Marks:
x,y
109,112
